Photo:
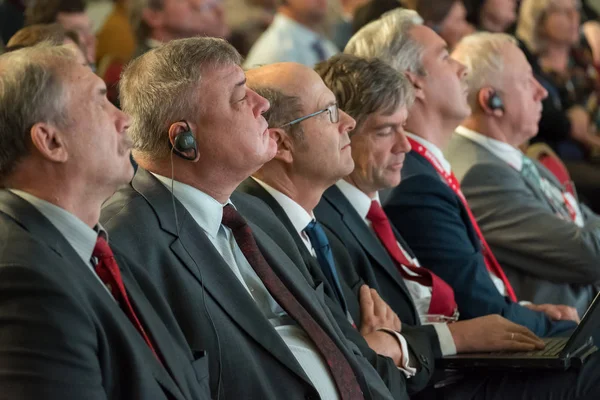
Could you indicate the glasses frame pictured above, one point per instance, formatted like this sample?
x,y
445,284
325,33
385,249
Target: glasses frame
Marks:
x,y
329,109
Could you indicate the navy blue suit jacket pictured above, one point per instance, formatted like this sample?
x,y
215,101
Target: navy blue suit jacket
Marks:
x,y
435,224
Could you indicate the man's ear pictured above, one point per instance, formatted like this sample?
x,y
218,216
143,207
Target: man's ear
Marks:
x,y
483,100
49,142
417,81
177,128
285,147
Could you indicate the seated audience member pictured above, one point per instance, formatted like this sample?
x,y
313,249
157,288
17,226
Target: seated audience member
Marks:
x,y
54,34
68,13
74,323
446,240
546,241
448,18
491,15
115,38
239,294
155,22
248,19
550,35
351,209
372,10
294,35
342,28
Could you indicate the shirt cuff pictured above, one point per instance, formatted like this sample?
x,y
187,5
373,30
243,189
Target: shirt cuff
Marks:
x,y
525,302
405,367
447,345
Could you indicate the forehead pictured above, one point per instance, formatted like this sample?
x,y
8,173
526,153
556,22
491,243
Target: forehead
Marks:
x,y
514,60
80,81
432,42
221,78
383,118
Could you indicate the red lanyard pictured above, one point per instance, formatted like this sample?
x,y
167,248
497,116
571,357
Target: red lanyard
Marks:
x,y
490,261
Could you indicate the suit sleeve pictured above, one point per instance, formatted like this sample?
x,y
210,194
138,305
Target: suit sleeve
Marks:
x,y
523,230
46,349
428,216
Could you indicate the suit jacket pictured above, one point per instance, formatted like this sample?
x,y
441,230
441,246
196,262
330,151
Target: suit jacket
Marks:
x,y
63,337
248,359
435,224
351,283
548,259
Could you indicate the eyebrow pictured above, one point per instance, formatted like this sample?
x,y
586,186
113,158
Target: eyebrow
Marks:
x,y
102,91
240,83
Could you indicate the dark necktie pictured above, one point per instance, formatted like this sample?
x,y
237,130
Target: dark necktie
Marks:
x,y
317,46
318,240
345,380
109,273
442,295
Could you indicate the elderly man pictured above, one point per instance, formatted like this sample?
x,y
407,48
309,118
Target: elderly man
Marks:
x,y
447,240
237,284
546,241
74,323
294,35
155,22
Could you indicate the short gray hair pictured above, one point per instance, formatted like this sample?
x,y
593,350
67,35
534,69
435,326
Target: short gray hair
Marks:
x,y
284,108
531,15
161,87
363,87
388,39
481,53
136,16
31,91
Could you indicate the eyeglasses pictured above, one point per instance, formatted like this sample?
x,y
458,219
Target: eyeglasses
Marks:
x,y
334,115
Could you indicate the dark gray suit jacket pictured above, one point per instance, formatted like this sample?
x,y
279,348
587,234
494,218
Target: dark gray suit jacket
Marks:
x,y
248,359
547,259
63,337
351,283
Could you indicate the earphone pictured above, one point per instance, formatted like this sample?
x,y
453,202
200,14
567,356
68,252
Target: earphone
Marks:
x,y
495,102
185,141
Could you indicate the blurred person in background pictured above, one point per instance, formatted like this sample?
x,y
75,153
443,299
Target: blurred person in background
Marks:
x,y
248,19
115,39
295,35
491,15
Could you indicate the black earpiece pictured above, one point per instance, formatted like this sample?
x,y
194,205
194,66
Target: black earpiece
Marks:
x,y
495,102
185,141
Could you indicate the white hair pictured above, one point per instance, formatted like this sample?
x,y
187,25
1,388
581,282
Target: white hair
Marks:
x,y
481,53
388,39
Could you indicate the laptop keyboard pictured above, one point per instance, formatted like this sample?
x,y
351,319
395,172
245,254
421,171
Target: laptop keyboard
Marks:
x,y
553,348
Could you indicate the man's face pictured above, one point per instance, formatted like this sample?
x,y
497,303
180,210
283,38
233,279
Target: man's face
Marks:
x,y
96,132
522,96
323,153
231,131
188,18
81,24
308,10
444,85
561,22
502,12
455,26
378,149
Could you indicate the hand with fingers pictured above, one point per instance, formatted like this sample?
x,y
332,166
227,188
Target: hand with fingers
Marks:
x,y
557,312
492,333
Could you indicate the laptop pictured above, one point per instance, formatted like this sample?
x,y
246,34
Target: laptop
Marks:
x,y
560,353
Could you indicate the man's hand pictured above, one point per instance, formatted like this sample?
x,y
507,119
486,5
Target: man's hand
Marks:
x,y
557,312
492,333
375,313
385,344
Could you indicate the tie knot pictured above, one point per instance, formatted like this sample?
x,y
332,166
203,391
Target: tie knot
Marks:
x,y
376,212
102,249
231,218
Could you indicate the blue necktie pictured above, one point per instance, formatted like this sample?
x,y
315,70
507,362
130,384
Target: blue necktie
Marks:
x,y
320,243
317,46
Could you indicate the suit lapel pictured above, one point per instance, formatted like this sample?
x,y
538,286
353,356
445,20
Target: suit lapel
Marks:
x,y
195,251
34,222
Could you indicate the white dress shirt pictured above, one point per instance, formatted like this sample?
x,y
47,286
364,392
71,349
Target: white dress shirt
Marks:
x,y
77,233
514,158
439,155
300,218
208,213
288,40
421,294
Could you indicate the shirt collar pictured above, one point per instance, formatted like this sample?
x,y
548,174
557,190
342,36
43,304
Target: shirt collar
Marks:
x,y
437,153
504,151
294,28
299,216
77,233
206,211
357,198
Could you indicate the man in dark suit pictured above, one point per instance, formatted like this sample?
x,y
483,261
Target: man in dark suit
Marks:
x,y
349,209
246,298
446,241
74,322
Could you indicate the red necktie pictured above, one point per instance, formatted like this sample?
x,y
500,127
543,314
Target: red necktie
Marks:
x,y
109,273
442,295
345,380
